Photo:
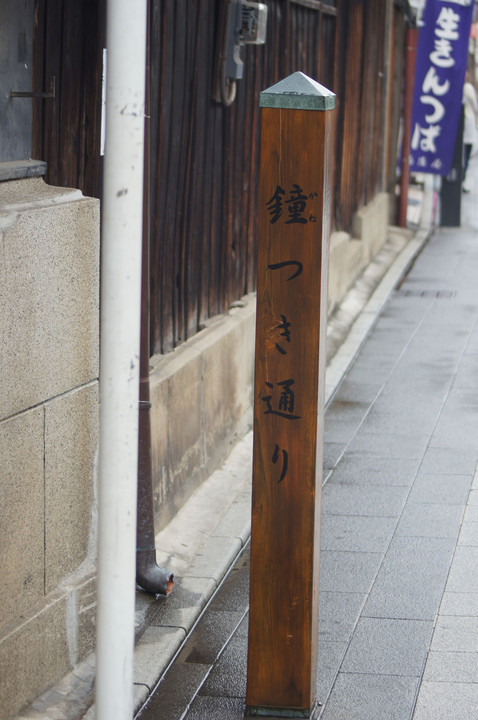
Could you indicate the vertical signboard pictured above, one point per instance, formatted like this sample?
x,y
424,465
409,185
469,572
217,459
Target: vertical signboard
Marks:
x,y
293,225
439,75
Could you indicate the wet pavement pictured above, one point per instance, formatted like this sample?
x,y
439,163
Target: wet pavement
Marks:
x,y
398,619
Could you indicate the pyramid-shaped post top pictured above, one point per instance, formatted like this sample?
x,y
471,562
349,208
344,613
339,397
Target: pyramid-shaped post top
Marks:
x,y
298,92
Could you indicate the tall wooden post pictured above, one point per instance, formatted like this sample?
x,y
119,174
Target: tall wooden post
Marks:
x,y
293,226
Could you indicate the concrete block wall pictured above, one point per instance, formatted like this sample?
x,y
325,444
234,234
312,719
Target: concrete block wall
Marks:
x,y
49,270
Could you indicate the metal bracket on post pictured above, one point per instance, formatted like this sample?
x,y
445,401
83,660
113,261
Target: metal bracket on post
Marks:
x,y
293,232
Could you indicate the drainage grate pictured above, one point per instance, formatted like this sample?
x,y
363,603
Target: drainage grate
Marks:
x,y
428,293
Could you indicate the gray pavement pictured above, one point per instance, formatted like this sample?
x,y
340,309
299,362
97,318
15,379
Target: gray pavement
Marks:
x,y
398,621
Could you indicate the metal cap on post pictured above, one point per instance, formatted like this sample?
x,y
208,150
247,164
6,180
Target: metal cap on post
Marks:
x,y
293,248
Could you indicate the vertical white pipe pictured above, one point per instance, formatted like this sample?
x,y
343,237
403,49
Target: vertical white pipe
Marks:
x,y
119,356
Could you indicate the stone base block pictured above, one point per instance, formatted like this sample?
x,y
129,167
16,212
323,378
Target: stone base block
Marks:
x,y
201,396
370,225
346,264
49,240
21,513
46,644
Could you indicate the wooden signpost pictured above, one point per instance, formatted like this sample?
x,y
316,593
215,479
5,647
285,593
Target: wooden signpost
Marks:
x,y
293,227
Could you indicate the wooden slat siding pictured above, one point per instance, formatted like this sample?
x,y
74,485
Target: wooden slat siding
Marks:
x,y
285,55
377,137
216,193
247,162
156,89
176,174
68,41
329,76
224,221
50,150
226,225
370,65
200,219
184,17
349,95
95,41
396,78
192,212
380,135
38,74
252,196
245,138
161,150
70,111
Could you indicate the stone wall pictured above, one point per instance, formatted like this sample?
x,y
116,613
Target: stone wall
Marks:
x,y
49,268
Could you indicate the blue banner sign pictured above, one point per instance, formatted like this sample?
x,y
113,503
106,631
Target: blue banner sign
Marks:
x,y
439,75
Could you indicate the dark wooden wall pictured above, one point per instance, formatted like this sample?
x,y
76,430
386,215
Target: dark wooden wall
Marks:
x,y
68,42
203,155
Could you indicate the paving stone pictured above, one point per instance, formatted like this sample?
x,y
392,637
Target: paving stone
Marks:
x,y
420,520
371,697
412,578
367,371
234,592
473,497
215,557
463,575
456,634
352,390
153,652
357,533
461,667
456,426
343,499
459,603
332,454
183,606
399,414
447,700
330,656
471,513
388,647
355,469
216,708
466,376
343,419
441,489
237,520
389,445
348,571
338,614
469,534
176,691
210,636
229,674
447,460
474,484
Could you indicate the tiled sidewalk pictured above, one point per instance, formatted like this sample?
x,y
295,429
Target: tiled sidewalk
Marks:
x,y
398,625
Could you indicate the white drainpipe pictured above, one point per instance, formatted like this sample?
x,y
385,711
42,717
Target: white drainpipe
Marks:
x,y
119,356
